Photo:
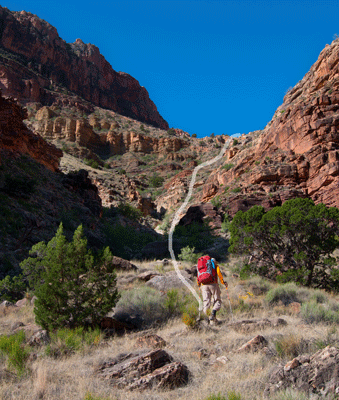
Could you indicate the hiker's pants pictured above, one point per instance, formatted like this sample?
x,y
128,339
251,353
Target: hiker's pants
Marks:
x,y
211,296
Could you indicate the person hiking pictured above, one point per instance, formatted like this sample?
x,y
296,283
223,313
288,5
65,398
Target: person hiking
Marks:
x,y
209,286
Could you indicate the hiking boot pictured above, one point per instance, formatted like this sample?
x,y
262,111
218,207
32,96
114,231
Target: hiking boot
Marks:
x,y
202,318
213,321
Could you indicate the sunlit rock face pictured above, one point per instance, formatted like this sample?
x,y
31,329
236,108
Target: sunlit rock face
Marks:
x,y
36,65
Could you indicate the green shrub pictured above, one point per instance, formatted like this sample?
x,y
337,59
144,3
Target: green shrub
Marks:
x,y
319,297
73,287
90,396
190,315
194,235
289,394
218,396
67,341
236,190
287,293
231,395
188,254
171,131
125,241
227,167
194,135
293,242
245,272
156,181
216,201
313,312
146,303
13,347
129,211
290,346
177,300
92,163
235,142
225,225
12,288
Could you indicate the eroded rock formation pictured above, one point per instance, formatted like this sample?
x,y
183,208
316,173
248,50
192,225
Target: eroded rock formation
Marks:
x,y
296,155
37,65
316,374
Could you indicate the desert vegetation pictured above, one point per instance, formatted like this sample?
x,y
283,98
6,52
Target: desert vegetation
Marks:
x,y
64,367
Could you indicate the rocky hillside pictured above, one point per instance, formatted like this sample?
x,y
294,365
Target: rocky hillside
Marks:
x,y
15,137
272,342
35,197
296,155
136,160
37,65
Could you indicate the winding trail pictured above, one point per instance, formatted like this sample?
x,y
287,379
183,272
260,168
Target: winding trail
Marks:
x,y
176,220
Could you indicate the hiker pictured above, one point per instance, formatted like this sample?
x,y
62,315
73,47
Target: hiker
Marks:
x,y
209,286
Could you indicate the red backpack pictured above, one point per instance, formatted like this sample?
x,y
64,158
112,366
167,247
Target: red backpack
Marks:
x,y
206,270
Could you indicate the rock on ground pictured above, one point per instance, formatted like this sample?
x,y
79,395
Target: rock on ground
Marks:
x,y
168,281
318,374
144,370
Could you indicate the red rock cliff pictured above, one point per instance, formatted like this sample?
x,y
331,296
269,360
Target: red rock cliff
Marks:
x,y
34,60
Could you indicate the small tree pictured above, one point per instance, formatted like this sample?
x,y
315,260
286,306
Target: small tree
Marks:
x,y
156,181
188,254
73,287
291,242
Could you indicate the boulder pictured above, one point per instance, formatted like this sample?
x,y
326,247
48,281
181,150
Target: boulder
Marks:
x,y
22,302
169,281
255,344
170,376
39,338
147,275
113,325
138,371
150,340
123,265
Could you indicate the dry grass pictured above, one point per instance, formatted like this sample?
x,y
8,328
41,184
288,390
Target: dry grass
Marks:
x,y
73,377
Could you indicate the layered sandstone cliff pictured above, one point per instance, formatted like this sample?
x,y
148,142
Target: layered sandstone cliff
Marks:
x,y
296,155
37,65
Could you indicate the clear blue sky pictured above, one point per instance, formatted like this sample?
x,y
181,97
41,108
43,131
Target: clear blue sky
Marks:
x,y
210,66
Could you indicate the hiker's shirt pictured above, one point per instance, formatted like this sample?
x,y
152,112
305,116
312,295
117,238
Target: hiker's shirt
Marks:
x,y
219,276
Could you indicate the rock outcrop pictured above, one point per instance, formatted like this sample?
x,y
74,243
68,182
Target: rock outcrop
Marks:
x,y
316,374
37,65
153,369
296,155
84,132
16,138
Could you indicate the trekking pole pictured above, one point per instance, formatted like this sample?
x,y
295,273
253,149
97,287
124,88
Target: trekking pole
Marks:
x,y
229,301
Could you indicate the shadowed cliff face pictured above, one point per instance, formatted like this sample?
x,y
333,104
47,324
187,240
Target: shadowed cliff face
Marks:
x,y
15,137
37,65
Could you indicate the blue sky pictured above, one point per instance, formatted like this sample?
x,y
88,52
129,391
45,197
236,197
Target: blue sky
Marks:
x,y
210,66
